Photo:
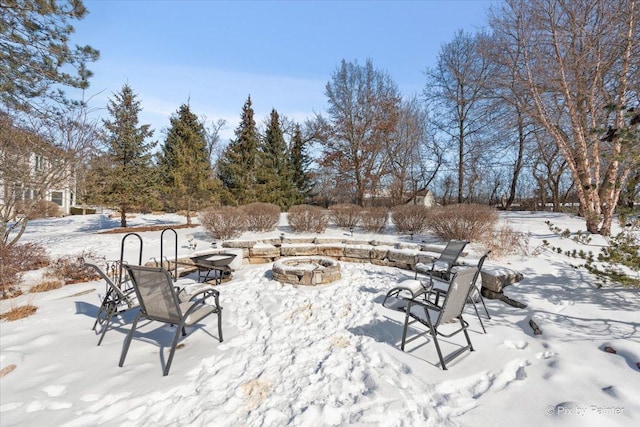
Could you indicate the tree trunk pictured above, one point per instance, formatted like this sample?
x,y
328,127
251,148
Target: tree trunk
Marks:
x,y
518,166
460,162
189,211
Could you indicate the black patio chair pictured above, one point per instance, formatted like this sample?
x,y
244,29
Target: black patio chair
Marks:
x,y
118,299
160,301
436,318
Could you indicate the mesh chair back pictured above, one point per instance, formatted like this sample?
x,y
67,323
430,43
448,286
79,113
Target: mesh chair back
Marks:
x,y
479,267
119,295
457,295
451,252
156,295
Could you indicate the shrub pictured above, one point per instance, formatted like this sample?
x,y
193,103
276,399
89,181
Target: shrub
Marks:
x,y
18,312
374,219
470,222
7,369
410,218
71,269
345,215
223,223
620,259
307,218
46,285
41,209
261,216
505,241
14,261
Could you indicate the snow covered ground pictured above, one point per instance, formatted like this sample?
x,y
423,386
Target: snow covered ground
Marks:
x,y
325,355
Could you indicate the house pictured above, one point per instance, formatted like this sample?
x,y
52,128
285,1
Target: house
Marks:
x,y
424,198
39,171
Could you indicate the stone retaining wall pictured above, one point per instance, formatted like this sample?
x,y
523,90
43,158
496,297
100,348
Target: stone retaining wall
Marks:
x,y
387,254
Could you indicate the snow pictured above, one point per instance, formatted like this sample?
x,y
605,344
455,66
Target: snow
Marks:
x,y
325,355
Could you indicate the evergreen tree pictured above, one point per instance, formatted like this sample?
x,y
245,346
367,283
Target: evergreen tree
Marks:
x,y
300,162
275,177
127,178
184,162
36,57
237,165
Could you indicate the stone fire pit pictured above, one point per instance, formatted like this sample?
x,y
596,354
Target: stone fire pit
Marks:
x,y
308,271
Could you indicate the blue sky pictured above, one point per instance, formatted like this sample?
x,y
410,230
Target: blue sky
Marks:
x,y
282,53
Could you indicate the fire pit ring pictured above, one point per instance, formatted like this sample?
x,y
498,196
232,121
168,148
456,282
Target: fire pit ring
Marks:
x,y
306,270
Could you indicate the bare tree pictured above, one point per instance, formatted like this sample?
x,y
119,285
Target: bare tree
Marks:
x,y
362,115
456,92
580,63
550,171
414,156
212,135
512,128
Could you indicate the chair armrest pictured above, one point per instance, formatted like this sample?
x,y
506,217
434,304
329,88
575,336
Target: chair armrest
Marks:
x,y
201,296
199,302
426,304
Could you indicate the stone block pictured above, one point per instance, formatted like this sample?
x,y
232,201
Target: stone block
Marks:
x,y
275,241
328,240
382,262
496,279
333,251
402,257
265,251
382,243
407,245
362,252
356,242
298,240
298,250
379,252
357,260
241,244
422,258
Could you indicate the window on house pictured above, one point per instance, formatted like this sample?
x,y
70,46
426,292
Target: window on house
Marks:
x,y
56,197
38,162
17,192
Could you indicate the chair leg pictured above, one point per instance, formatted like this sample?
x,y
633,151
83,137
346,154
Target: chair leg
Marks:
x,y
470,299
434,334
105,327
466,334
220,323
103,308
176,337
127,341
483,304
406,324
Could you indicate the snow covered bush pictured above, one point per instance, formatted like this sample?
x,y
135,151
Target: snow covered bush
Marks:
x,y
410,218
15,260
261,216
464,221
71,268
374,220
307,218
224,223
345,215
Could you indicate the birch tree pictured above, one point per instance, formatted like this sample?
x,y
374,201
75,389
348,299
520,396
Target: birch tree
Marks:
x,y
580,66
